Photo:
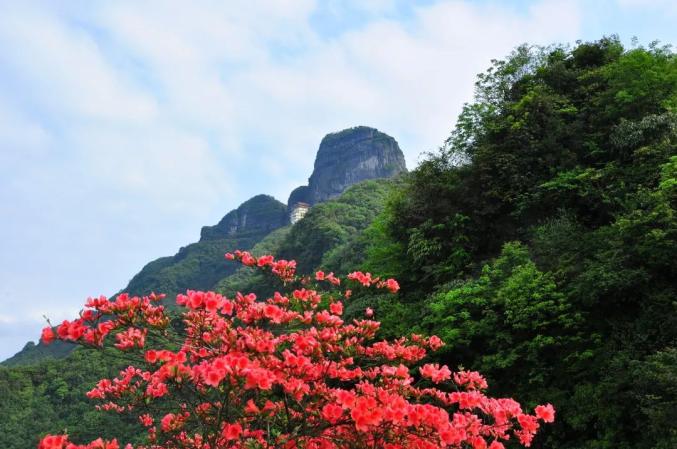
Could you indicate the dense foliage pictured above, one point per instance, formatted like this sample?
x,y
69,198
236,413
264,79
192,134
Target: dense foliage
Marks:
x,y
50,396
540,241
286,372
323,235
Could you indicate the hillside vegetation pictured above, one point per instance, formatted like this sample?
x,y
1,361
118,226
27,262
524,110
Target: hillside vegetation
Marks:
x,y
329,237
540,241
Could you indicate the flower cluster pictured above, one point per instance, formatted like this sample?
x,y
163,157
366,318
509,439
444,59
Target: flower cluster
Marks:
x,y
129,312
61,442
366,280
284,269
285,372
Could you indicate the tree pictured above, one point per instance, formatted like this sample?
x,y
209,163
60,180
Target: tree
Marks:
x,y
286,372
569,151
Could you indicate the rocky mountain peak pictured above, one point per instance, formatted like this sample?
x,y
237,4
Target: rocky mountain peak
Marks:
x,y
346,158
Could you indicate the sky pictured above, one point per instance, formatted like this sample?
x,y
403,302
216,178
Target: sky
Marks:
x,y
125,126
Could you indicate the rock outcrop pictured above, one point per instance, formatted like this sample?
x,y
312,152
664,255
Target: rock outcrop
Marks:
x,y
259,214
299,195
346,158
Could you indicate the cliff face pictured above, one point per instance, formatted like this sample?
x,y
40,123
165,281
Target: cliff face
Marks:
x,y
299,195
346,158
259,214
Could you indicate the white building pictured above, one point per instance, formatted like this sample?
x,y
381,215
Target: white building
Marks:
x,y
298,211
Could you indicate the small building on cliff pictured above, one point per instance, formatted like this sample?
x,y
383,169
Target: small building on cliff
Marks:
x,y
298,211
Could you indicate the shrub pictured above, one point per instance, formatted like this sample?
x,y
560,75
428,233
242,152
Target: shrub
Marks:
x,y
286,372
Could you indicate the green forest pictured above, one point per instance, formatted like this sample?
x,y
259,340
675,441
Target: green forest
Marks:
x,y
539,242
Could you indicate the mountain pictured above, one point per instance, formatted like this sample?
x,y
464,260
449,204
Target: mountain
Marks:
x,y
260,214
344,158
33,353
200,265
329,237
334,224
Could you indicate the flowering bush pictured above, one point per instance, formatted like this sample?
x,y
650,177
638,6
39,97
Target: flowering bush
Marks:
x,y
284,373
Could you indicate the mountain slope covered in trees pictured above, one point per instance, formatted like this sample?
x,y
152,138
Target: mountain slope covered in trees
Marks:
x,y
540,241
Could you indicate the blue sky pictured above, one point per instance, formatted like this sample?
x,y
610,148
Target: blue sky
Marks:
x,y
126,126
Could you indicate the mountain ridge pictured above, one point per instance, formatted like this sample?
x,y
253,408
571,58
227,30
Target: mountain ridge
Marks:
x,y
344,158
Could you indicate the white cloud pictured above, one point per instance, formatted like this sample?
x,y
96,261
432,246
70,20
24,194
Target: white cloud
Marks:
x,y
664,6
66,71
407,80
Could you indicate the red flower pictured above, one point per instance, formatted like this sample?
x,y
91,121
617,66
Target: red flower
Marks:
x,y
545,412
232,431
392,285
332,413
336,308
247,259
151,356
528,422
435,373
366,413
213,302
264,261
214,377
53,442
273,313
47,335
146,420
435,342
168,422
227,307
